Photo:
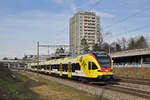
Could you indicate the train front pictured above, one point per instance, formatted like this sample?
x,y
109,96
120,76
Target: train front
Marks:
x,y
103,66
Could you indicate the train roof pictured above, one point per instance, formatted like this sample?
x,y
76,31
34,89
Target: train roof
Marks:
x,y
96,52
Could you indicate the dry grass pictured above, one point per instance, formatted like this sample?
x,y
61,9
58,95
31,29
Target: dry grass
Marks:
x,y
15,88
55,91
28,87
134,72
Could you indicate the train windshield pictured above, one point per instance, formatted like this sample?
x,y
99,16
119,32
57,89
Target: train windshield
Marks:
x,y
104,60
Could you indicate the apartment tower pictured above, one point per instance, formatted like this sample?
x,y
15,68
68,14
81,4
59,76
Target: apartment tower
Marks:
x,y
83,25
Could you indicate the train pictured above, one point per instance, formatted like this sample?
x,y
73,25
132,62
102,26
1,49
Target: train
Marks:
x,y
92,66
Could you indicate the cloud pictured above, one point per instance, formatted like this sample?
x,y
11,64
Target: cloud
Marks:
x,y
104,14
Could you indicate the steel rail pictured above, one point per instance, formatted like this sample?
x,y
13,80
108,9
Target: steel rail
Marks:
x,y
117,88
128,90
135,81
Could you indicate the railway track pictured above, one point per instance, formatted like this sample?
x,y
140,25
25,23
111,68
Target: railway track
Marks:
x,y
126,89
122,89
117,88
129,90
135,81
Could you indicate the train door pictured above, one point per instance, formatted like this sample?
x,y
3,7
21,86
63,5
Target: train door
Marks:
x,y
89,67
49,68
45,68
94,68
69,70
40,68
60,69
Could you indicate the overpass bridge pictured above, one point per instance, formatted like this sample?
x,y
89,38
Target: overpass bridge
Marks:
x,y
136,57
13,63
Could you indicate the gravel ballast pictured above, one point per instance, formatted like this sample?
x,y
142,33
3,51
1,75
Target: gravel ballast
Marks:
x,y
111,95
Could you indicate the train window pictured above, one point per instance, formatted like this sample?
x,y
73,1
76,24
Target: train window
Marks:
x,y
38,67
89,65
52,67
42,66
55,66
94,66
47,67
32,66
35,66
75,66
104,60
65,67
78,67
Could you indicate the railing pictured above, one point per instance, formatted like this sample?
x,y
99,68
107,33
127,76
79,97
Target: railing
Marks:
x,y
131,52
131,65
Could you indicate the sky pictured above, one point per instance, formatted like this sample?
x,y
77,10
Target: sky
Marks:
x,y
24,22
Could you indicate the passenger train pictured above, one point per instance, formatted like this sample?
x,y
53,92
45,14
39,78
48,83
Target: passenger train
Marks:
x,y
93,66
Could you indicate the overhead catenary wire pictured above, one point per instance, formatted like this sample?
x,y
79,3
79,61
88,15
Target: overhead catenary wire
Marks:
x,y
96,4
128,17
132,30
125,19
137,29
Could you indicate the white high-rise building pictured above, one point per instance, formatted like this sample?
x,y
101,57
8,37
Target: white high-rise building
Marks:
x,y
84,25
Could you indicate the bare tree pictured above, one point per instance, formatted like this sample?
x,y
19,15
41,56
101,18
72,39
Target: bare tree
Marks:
x,y
59,50
141,43
131,44
97,47
15,58
113,47
5,58
138,43
124,43
106,47
118,47
84,45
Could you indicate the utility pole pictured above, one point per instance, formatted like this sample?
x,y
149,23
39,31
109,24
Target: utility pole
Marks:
x,y
48,50
47,46
109,49
38,53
